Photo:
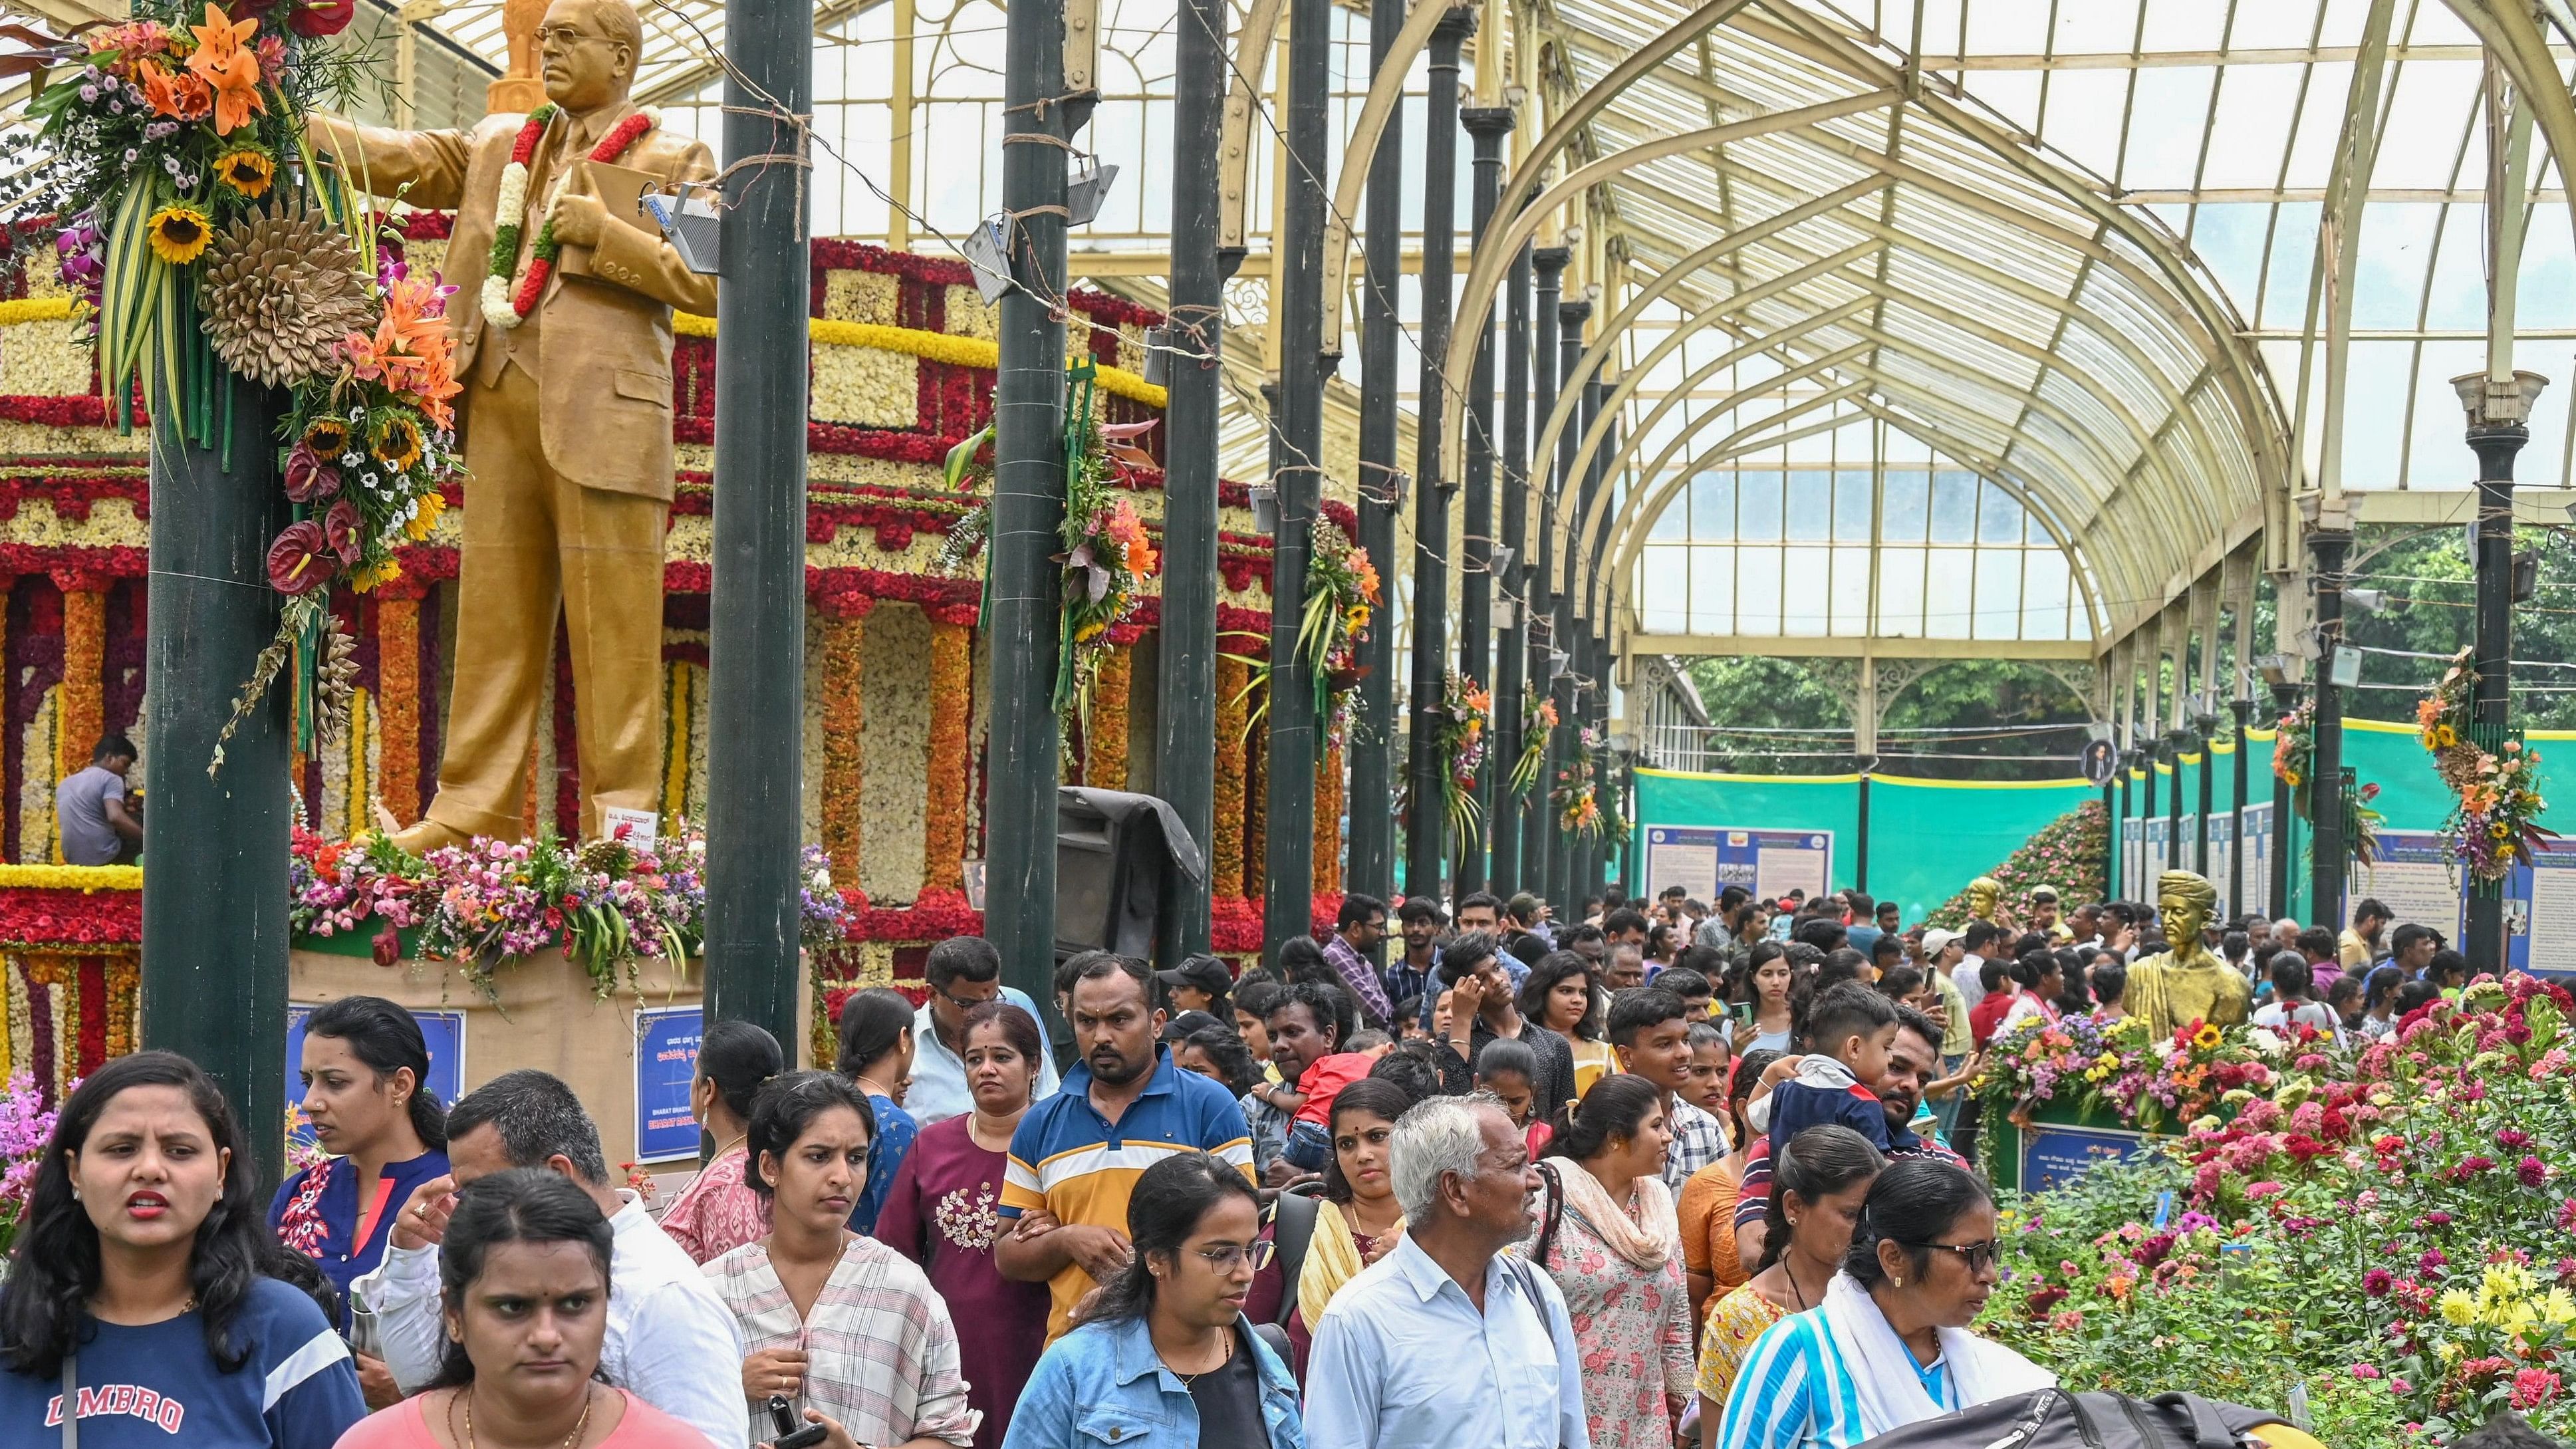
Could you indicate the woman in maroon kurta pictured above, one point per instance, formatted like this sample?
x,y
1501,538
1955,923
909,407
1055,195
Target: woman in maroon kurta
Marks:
x,y
941,1214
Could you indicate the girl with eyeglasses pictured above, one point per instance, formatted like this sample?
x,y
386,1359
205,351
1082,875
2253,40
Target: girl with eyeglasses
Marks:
x,y
1163,1357
843,1327
1890,1345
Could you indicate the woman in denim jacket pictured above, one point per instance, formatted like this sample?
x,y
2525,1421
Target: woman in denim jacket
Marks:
x,y
1164,1357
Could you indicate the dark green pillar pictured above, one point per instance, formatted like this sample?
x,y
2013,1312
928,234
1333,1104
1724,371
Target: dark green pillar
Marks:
x,y
1487,125
1372,745
1024,596
1425,846
756,640
2327,845
1538,827
1511,647
214,892
1185,659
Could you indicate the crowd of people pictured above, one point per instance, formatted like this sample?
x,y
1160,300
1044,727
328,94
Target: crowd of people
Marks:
x,y
1665,1174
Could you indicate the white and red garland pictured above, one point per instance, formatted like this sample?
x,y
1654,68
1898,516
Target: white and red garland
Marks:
x,y
503,304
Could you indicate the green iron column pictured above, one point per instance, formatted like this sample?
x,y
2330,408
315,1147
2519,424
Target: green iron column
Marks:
x,y
1487,125
1538,829
1424,849
756,638
1372,746
1185,657
2327,846
214,891
1288,893
1024,591
1511,649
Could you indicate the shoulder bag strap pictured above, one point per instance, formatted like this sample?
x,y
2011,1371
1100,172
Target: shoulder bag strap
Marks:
x,y
1292,1232
71,1401
1554,1216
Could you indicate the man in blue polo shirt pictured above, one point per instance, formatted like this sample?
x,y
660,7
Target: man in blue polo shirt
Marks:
x,y
1076,1155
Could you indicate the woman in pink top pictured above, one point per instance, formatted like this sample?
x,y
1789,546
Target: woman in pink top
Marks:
x,y
716,1213
524,1262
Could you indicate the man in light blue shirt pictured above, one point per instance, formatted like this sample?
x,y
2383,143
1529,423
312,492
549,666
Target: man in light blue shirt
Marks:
x,y
1446,1342
964,972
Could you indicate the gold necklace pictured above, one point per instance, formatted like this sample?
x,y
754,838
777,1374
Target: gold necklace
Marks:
x,y
587,1400
1222,1360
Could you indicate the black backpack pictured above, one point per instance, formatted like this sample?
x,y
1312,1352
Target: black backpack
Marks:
x,y
2056,1419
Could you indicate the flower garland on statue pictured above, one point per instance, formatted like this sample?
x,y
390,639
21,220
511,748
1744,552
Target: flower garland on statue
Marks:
x,y
508,306
2495,819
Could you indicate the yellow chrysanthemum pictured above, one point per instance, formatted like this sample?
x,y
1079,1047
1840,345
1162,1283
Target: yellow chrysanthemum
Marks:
x,y
2458,1308
2557,1308
246,171
179,234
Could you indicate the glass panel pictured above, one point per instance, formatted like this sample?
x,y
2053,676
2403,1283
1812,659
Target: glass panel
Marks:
x,y
1998,613
1757,590
1712,508
1807,587
1663,578
1851,506
1811,505
1851,591
1672,523
1954,507
1999,515
1907,506
1947,594
1712,601
1900,592
1757,506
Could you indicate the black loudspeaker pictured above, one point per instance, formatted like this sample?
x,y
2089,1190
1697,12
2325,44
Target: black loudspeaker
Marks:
x,y
1116,855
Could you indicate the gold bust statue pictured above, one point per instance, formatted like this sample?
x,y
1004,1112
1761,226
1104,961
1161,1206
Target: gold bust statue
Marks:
x,y
1983,893
2187,983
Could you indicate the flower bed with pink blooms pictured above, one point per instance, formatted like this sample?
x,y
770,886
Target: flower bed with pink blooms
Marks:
x,y
2383,1241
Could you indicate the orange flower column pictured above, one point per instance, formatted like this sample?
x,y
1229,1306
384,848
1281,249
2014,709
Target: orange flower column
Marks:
x,y
1104,732
1328,820
844,716
1226,876
83,709
398,701
1256,805
952,691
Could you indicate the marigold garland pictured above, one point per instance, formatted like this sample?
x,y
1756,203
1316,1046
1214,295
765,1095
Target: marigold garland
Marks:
x,y
83,707
1233,675
124,981
952,689
1328,819
398,705
1104,725
1256,801
844,760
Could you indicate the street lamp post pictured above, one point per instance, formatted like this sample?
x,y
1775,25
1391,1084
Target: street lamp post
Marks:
x,y
2499,416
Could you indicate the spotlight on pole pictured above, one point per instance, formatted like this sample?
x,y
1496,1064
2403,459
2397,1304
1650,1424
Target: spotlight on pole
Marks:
x,y
1158,361
1087,189
988,251
2366,601
1265,508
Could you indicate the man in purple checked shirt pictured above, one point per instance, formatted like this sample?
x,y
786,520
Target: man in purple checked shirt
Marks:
x,y
1356,932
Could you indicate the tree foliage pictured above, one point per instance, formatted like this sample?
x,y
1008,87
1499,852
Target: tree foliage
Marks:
x,y
1986,698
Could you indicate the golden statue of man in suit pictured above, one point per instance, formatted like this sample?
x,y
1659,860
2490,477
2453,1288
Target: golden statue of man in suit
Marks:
x,y
567,426
2187,982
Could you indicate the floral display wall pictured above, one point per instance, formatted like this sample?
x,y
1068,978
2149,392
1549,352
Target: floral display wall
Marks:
x,y
903,358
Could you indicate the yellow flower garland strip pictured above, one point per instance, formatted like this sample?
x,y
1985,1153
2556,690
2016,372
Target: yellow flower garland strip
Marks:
x,y
124,1001
679,719
844,765
35,309
1225,880
933,347
952,687
1104,730
1328,821
398,705
70,878
84,701
1256,802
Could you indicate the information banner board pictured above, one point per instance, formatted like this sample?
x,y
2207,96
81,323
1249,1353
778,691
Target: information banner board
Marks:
x,y
666,1063
443,1031
1769,863
2414,877
2053,1156
2258,860
2542,935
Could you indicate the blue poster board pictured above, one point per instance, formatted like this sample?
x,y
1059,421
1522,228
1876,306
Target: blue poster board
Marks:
x,y
666,1062
2052,1156
1769,863
444,1031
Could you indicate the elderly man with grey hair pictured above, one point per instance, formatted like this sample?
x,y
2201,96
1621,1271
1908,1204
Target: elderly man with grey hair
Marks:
x,y
1448,1340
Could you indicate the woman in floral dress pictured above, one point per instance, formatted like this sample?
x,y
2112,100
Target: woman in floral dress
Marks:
x,y
1609,1237
940,1213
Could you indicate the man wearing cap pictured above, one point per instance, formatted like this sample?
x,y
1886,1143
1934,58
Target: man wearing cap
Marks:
x,y
1941,955
1198,984
2043,916
963,972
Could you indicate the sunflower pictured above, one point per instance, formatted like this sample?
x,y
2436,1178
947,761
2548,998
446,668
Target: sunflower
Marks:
x,y
432,504
179,233
246,171
367,577
2207,1038
327,436
397,442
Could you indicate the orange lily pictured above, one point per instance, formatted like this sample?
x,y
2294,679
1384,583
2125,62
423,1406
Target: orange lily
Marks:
x,y
230,67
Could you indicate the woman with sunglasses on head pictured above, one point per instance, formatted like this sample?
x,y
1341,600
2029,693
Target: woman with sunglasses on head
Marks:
x,y
943,1212
1163,1356
1890,1345
523,1278
137,1310
718,1212
843,1327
